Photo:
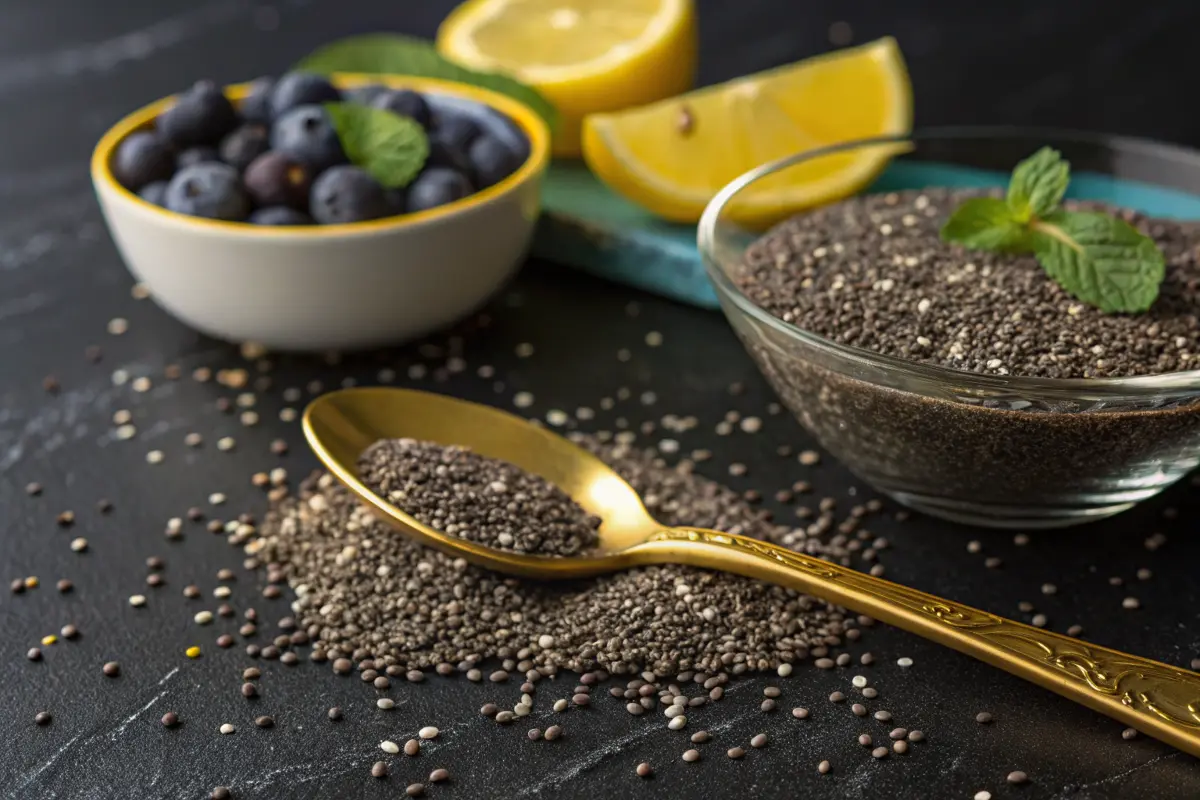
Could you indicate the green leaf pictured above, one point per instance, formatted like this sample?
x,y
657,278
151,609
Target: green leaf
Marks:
x,y
1038,184
1102,261
392,148
393,54
985,223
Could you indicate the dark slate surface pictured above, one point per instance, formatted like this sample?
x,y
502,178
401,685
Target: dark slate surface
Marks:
x,y
68,68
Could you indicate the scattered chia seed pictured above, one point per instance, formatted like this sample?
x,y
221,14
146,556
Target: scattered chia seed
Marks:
x,y
314,539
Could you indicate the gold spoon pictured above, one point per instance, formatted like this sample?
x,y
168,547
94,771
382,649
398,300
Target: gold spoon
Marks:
x,y
1157,699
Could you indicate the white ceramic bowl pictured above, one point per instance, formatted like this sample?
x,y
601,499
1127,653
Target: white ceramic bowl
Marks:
x,y
330,286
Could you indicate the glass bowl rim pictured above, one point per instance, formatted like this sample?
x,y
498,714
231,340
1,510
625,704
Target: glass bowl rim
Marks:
x,y
1137,386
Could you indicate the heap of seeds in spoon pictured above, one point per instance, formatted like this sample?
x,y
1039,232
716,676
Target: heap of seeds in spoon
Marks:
x,y
365,591
479,499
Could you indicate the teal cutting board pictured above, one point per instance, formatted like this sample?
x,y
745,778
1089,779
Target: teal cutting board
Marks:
x,y
588,227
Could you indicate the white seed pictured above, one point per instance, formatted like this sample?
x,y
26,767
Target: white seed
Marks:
x,y
79,544
155,457
904,662
137,600
385,703
428,732
203,617
677,723
389,746
784,670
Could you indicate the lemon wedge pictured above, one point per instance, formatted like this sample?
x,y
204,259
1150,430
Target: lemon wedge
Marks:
x,y
584,56
671,157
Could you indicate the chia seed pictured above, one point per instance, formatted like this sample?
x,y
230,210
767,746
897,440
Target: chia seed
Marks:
x,y
479,499
906,294
315,538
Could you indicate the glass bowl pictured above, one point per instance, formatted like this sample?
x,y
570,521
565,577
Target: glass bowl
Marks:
x,y
997,451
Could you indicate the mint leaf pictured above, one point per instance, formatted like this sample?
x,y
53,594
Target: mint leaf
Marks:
x,y
393,54
390,147
1102,261
1038,184
985,223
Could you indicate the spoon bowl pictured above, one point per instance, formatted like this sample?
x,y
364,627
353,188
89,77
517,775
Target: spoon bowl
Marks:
x,y
341,425
1158,699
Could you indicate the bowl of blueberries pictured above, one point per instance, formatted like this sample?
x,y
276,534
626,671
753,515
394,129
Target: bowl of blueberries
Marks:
x,y
241,212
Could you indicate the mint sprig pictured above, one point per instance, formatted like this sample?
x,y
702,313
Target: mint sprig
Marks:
x,y
391,147
1101,260
393,54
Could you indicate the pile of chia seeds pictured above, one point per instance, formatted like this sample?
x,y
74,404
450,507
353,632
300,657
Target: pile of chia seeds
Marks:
x,y
872,272
366,593
483,500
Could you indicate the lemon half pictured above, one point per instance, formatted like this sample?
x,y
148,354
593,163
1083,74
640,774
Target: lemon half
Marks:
x,y
584,56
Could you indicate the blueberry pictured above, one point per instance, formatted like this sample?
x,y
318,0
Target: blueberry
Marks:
x,y
279,215
154,192
365,95
256,107
274,179
201,115
347,194
443,155
210,190
141,159
457,131
406,103
301,89
491,160
197,155
306,134
437,187
244,145
397,200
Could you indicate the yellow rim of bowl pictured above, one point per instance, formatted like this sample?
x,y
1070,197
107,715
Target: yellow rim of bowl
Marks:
x,y
531,125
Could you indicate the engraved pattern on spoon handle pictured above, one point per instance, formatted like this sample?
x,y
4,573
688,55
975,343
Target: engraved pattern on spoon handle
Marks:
x,y
1156,698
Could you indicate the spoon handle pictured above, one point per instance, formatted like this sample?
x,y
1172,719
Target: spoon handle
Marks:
x,y
1157,699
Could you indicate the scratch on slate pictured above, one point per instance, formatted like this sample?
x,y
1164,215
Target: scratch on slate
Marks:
x,y
25,73
31,777
168,676
1112,778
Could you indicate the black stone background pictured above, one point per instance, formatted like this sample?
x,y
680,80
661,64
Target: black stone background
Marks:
x,y
69,68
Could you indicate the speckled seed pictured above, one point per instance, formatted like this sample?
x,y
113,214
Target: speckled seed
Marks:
x,y
865,739
412,747
534,734
883,716
759,740
415,789
691,755
553,732
800,713
504,717
916,736
983,718
439,775
644,770
900,746
837,697
379,770
859,710
880,752
824,767
898,733
1129,733
581,699
1017,777
700,737
735,752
